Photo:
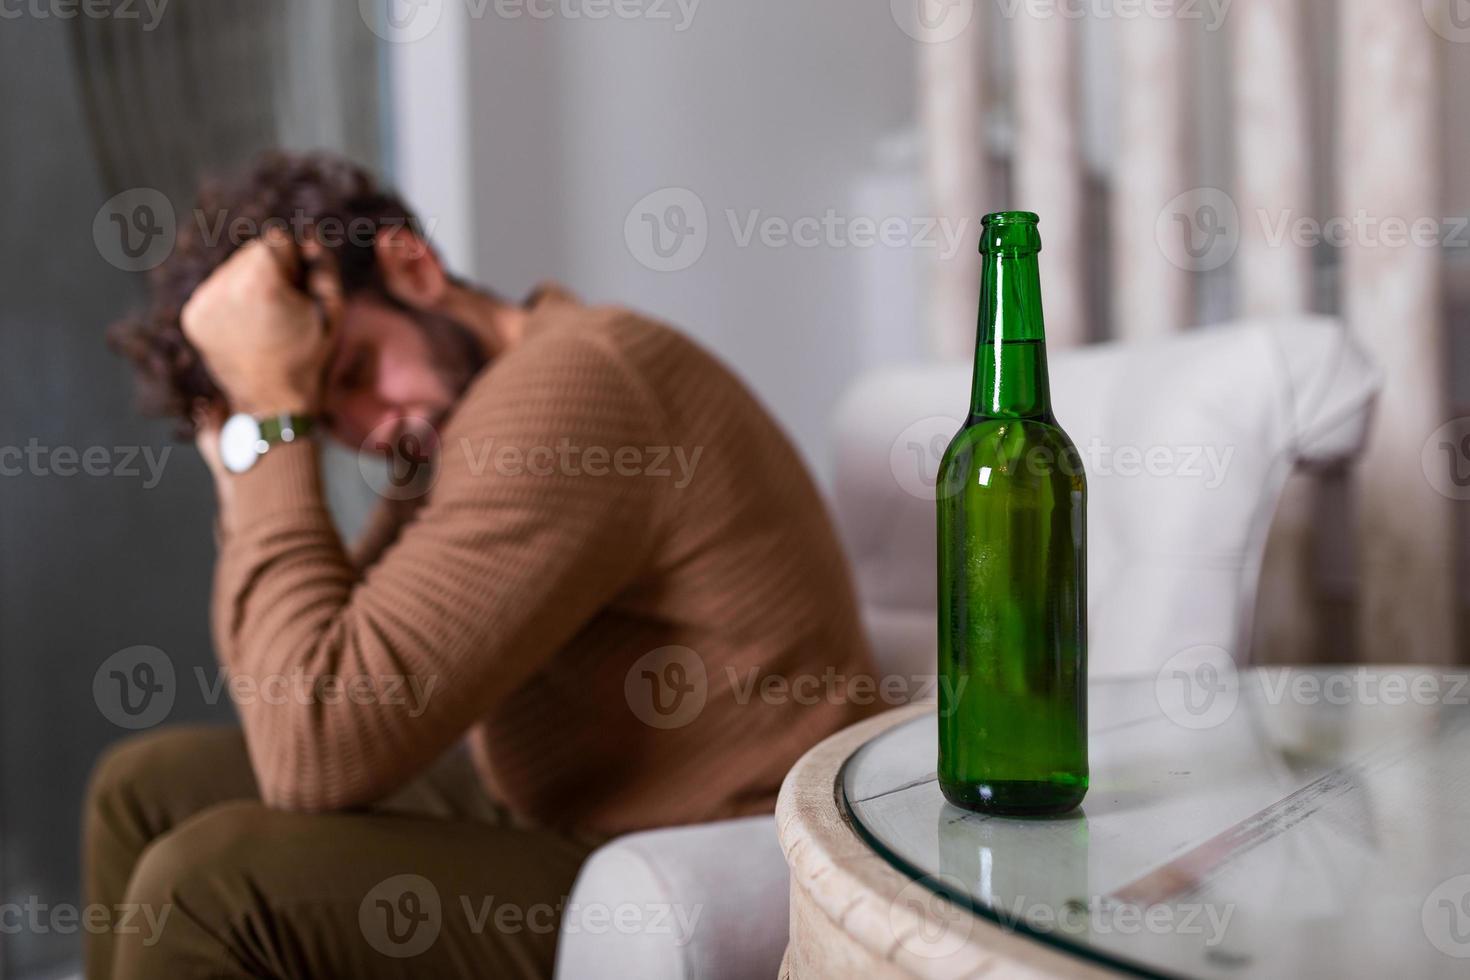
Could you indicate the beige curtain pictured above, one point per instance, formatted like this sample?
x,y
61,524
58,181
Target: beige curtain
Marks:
x,y
1252,113
213,82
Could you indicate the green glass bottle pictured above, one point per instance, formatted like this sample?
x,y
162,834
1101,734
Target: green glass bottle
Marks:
x,y
1012,499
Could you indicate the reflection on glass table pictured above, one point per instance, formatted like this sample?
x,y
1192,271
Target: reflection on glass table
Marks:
x,y
1275,823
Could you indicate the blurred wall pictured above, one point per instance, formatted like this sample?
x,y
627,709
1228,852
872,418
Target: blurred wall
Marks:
x,y
761,109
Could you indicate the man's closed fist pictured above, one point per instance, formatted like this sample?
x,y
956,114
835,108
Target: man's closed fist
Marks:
x,y
264,340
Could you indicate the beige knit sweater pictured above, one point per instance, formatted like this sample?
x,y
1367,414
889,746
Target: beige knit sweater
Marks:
x,y
623,586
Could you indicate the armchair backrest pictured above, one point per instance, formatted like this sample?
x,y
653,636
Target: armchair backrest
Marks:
x,y
1188,442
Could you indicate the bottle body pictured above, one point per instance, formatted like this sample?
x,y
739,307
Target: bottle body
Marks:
x,y
1012,508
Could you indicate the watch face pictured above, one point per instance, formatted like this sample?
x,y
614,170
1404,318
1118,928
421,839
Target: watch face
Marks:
x,y
239,443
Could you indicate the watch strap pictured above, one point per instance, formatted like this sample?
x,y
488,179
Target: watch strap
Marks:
x,y
275,429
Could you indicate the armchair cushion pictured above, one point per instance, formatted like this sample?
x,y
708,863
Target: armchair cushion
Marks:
x,y
701,901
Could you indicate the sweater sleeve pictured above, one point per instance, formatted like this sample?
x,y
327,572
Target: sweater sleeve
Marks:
x,y
348,684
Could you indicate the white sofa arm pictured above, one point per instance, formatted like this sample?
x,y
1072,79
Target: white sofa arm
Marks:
x,y
706,901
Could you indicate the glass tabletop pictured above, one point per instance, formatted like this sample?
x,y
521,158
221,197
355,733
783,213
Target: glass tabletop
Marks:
x,y
1274,823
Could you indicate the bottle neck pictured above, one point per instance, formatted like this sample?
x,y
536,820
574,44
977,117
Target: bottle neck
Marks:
x,y
1010,356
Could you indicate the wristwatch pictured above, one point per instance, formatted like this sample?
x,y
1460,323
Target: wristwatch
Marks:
x,y
244,438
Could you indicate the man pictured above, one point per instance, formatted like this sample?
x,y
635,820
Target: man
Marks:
x,y
617,549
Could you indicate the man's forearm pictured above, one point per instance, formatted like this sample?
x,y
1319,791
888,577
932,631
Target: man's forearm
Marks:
x,y
276,535
282,587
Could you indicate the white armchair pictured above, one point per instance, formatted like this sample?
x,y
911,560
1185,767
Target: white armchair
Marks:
x,y
1188,443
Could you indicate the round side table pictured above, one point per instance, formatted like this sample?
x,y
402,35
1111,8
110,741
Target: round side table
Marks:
x,y
1267,823
854,915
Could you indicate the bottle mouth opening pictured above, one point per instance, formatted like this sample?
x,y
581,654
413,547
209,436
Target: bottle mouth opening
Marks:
x,y
1012,218
1010,233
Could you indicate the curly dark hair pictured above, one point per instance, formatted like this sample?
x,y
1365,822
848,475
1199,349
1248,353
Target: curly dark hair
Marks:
x,y
313,193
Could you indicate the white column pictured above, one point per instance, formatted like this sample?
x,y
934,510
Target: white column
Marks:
x,y
1151,291
1269,88
429,88
1391,171
1273,184
1048,164
952,114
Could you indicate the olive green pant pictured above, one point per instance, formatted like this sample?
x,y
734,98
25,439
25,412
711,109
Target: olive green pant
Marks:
x,y
199,879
